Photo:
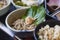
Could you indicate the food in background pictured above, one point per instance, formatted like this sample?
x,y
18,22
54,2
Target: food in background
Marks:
x,y
55,4
31,2
26,2
2,3
49,33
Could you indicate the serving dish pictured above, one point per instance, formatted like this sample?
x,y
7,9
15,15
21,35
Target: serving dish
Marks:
x,y
51,23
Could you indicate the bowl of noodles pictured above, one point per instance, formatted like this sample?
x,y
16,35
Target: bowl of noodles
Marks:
x,y
24,20
26,3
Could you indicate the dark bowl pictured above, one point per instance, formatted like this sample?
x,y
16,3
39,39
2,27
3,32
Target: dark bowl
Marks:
x,y
51,23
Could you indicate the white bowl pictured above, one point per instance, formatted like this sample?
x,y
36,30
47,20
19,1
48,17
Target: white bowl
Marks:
x,y
5,8
13,16
41,1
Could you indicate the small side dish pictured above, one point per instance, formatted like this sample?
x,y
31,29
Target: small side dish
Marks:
x,y
4,6
3,3
26,2
49,33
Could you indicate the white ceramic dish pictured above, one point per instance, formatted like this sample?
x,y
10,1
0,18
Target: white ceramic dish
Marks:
x,y
14,16
41,1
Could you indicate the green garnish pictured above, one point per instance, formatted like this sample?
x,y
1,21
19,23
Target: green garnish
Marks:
x,y
38,13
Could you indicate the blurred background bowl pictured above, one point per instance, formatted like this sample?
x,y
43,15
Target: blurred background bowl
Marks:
x,y
51,12
5,9
17,6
